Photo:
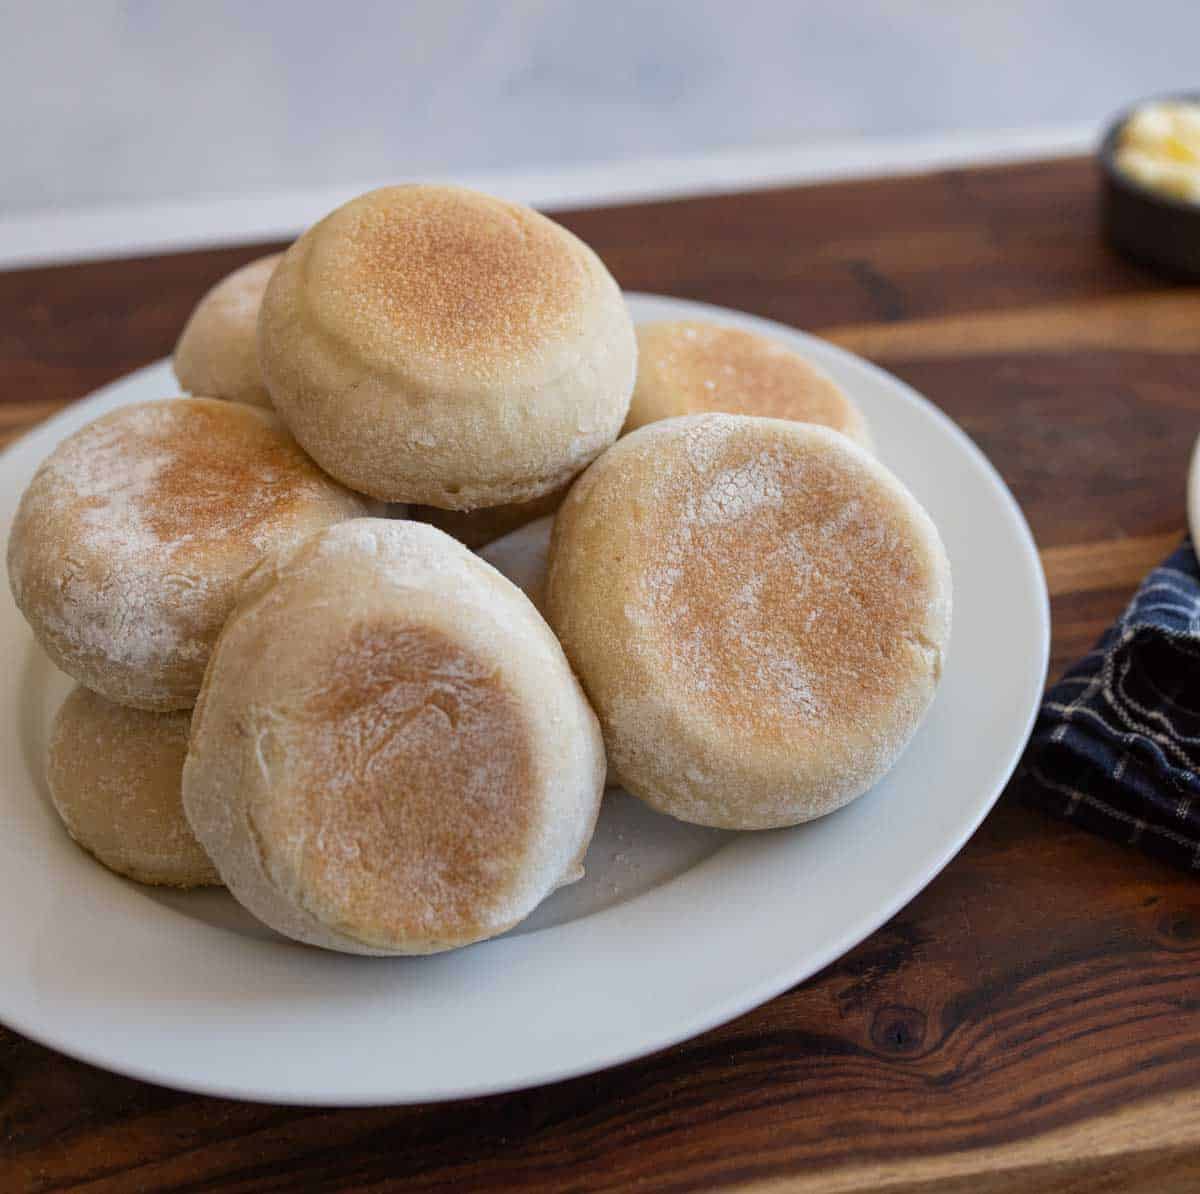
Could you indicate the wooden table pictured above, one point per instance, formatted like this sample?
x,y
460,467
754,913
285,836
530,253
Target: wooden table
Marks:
x,y
1033,1019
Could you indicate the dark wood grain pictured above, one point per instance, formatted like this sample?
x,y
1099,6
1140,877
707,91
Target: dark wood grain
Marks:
x,y
1032,1020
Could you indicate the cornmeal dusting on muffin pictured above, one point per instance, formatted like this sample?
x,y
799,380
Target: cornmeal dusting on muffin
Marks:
x,y
163,507
412,761
439,271
767,634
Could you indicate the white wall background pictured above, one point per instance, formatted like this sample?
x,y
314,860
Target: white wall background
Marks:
x,y
102,101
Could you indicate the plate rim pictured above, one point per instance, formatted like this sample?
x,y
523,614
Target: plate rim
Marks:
x,y
746,998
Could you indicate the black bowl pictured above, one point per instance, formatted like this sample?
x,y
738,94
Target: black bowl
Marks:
x,y
1155,230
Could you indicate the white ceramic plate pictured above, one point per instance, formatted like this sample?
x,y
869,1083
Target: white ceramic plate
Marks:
x,y
1193,495
675,929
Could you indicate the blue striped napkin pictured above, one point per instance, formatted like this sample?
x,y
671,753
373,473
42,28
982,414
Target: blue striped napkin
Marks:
x,y
1116,747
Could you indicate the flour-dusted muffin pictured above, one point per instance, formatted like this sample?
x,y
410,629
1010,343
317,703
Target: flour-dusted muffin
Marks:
x,y
217,354
757,610
432,345
115,777
691,367
130,543
390,754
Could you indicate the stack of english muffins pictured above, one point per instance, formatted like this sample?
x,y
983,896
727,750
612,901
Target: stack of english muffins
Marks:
x,y
297,675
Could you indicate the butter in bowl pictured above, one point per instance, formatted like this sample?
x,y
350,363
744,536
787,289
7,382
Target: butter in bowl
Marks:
x,y
1150,159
